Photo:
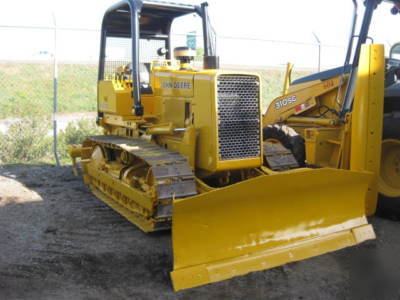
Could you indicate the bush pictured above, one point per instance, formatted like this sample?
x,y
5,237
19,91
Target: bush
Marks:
x,y
31,141
26,141
75,134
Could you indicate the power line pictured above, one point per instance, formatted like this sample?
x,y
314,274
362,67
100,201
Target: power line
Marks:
x,y
48,28
227,37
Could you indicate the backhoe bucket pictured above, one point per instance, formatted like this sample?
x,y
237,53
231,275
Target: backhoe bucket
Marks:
x,y
265,222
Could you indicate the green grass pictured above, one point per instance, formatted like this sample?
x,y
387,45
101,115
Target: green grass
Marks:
x,y
27,89
77,88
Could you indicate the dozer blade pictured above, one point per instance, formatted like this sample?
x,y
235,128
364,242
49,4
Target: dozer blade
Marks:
x,y
265,222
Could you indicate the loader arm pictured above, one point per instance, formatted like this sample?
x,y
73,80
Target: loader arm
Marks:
x,y
299,100
302,95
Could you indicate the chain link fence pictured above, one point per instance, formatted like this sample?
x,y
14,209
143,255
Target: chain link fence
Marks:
x,y
60,66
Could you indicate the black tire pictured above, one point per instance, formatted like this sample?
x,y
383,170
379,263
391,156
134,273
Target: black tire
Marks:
x,y
289,138
389,207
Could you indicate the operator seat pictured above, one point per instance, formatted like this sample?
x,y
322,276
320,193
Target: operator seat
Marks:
x,y
144,77
144,73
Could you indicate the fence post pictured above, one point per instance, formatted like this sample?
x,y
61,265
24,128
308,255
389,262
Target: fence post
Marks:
x,y
319,50
55,92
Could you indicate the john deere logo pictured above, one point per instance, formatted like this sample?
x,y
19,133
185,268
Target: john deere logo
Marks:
x,y
182,85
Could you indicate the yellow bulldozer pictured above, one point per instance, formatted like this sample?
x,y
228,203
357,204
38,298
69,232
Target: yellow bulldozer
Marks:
x,y
184,148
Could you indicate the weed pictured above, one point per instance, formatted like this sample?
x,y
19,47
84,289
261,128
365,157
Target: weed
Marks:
x,y
26,141
75,134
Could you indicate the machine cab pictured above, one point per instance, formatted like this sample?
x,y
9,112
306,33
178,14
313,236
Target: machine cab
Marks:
x,y
136,37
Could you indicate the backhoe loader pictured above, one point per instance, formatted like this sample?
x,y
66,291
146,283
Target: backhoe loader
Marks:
x,y
324,119
183,148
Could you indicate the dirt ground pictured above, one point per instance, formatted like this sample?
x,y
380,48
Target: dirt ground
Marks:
x,y
57,241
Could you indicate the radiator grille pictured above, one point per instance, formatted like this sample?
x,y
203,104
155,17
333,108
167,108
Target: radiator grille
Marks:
x,y
238,117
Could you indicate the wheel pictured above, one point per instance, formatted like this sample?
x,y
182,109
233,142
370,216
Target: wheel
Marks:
x,y
389,175
289,138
